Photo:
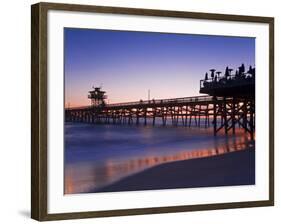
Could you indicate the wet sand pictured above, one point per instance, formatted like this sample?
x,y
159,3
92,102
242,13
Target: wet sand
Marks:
x,y
234,168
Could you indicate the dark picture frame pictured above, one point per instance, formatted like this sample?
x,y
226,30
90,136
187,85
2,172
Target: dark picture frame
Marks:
x,y
39,105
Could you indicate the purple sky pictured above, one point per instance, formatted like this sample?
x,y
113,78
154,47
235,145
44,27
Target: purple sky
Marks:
x,y
127,64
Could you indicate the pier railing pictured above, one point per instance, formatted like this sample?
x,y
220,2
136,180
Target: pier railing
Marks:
x,y
159,102
164,101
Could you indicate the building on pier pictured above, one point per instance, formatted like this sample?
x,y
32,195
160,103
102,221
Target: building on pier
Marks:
x,y
238,104
240,84
97,97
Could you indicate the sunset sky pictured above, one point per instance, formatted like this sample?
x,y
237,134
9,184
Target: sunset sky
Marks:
x,y
127,64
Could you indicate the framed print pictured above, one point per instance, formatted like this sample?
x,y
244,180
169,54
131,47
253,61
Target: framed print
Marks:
x,y
139,111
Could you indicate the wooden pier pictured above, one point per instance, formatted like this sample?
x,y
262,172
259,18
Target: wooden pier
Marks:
x,y
230,103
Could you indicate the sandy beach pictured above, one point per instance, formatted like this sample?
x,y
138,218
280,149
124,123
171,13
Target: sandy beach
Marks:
x,y
234,168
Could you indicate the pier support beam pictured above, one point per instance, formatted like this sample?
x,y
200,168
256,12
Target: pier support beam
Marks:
x,y
215,115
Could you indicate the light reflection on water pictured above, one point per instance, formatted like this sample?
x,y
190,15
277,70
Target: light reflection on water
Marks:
x,y
93,159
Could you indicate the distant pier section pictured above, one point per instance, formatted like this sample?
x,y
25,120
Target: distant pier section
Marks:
x,y
229,103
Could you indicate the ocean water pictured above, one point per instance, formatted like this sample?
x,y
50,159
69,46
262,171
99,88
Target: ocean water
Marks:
x,y
99,155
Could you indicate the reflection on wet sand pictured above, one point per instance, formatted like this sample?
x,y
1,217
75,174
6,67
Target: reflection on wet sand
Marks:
x,y
87,176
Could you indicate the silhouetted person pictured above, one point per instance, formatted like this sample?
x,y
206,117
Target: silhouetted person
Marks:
x,y
252,71
218,73
241,69
226,74
206,76
212,73
230,70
